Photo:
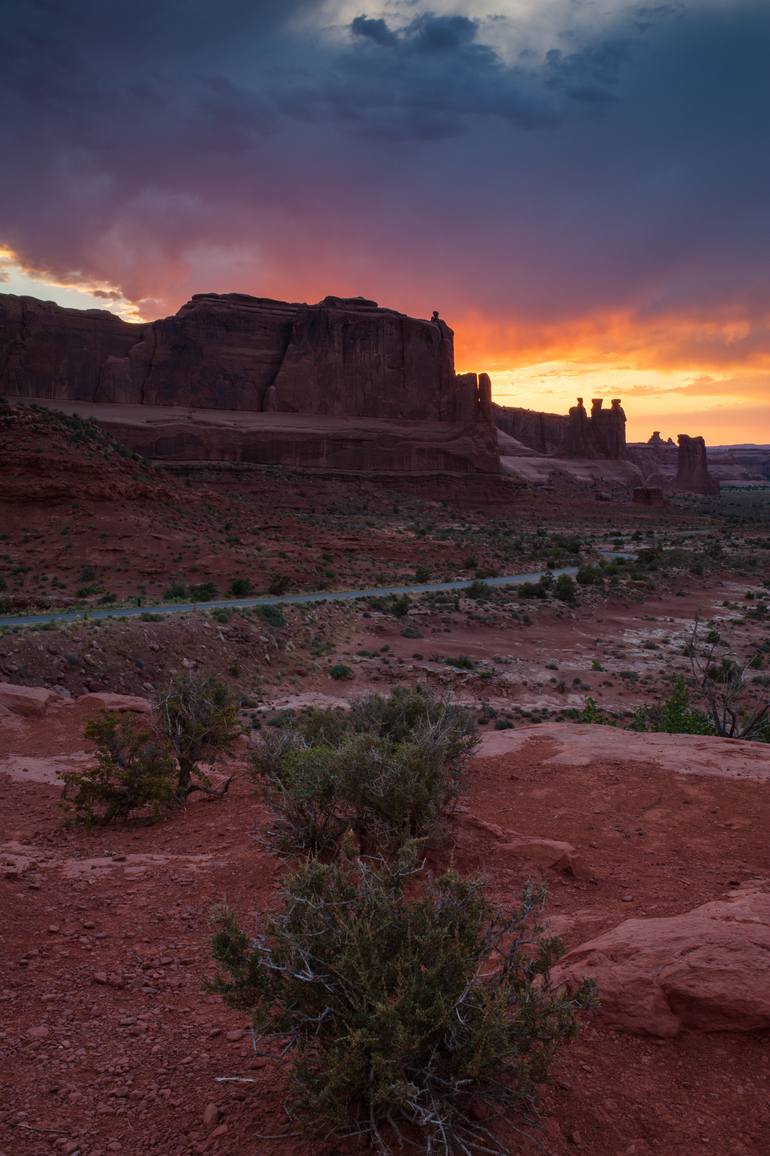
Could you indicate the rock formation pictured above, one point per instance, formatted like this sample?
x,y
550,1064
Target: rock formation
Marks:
x,y
541,432
704,970
602,435
344,357
370,389
47,351
692,472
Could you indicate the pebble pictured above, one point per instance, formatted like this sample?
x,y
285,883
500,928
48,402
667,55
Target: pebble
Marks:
x,y
212,1115
39,1032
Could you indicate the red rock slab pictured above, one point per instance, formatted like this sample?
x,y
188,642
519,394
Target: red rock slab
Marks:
x,y
706,970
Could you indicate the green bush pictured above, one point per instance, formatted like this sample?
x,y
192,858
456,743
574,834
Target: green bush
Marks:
x,y
408,1005
272,616
387,769
134,771
411,632
203,592
241,587
674,715
175,593
462,661
340,671
198,717
565,589
278,585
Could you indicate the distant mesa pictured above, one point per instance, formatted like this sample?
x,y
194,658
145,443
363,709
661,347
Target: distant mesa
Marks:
x,y
379,386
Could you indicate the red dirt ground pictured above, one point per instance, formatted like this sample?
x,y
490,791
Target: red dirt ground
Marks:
x,y
108,1045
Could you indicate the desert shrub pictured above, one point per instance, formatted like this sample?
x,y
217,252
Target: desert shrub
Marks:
x,y
539,589
422,574
411,632
304,789
241,587
203,592
393,792
278,585
565,589
462,661
272,616
407,711
675,715
198,717
340,671
477,590
175,593
587,575
134,771
591,713
388,769
408,1004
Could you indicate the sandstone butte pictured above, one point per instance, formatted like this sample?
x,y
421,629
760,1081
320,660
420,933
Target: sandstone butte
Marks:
x,y
342,385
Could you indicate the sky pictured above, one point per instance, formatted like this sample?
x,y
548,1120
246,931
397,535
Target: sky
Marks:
x,y
580,187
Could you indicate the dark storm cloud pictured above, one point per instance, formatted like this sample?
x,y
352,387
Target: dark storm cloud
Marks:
x,y
424,158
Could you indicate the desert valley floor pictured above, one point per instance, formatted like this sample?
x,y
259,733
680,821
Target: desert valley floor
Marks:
x,y
658,839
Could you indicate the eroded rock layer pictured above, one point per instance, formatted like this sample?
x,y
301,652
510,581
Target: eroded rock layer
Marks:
x,y
344,357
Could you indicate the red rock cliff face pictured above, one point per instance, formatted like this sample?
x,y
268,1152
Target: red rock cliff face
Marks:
x,y
342,357
47,351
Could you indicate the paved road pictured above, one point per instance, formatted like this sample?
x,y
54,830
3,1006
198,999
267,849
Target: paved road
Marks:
x,y
97,615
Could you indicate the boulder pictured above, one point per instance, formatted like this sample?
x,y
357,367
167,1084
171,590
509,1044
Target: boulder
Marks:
x,y
705,970
26,700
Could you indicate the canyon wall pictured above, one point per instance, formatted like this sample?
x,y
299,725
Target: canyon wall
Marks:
x,y
578,434
344,357
390,377
543,432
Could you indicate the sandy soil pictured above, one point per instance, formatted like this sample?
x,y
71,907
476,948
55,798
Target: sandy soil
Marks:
x,y
111,1047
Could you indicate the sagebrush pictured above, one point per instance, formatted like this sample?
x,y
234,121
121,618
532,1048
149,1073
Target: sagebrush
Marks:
x,y
407,1004
388,769
134,772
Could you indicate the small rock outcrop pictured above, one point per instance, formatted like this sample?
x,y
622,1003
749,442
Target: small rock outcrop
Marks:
x,y
692,472
600,435
705,970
